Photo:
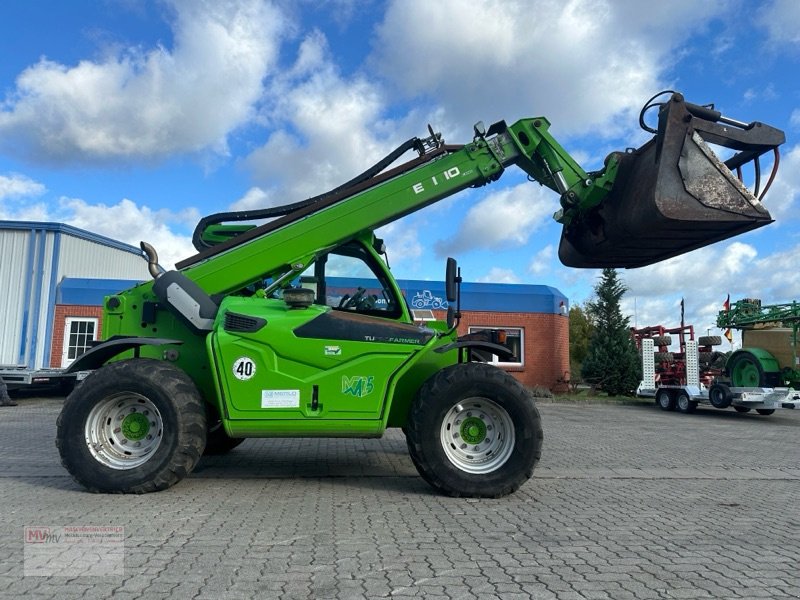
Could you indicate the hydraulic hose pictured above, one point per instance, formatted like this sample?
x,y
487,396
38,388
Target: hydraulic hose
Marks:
x,y
279,211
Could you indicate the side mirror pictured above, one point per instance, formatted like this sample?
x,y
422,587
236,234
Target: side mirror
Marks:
x,y
450,280
451,316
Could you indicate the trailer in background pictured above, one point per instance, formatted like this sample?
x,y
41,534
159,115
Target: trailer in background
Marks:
x,y
691,391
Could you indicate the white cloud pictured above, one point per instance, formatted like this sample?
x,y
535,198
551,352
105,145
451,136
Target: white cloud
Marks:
x,y
326,128
542,261
255,198
19,186
402,244
148,104
581,62
130,223
125,221
499,275
781,19
704,278
780,199
503,218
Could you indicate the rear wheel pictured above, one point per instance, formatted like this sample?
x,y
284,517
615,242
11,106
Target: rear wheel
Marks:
x,y
132,426
741,409
685,404
765,411
665,400
474,431
746,371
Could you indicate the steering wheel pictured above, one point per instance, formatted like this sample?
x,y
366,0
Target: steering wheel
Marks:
x,y
353,301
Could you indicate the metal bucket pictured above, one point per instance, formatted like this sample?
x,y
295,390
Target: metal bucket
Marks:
x,y
673,194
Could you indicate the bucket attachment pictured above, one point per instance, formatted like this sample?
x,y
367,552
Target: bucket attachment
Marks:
x,y
673,194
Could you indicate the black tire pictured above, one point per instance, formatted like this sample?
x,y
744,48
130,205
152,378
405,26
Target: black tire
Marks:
x,y
665,399
664,357
219,442
741,409
765,411
709,340
720,395
704,357
662,340
492,400
685,404
170,424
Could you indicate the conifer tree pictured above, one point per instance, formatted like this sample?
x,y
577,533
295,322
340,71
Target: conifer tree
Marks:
x,y
612,361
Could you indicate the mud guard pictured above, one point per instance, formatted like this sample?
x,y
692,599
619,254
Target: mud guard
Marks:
x,y
100,354
673,194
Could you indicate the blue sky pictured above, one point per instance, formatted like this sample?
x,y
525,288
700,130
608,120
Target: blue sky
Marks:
x,y
134,118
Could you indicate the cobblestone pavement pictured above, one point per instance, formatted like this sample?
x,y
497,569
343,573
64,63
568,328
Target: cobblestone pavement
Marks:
x,y
628,502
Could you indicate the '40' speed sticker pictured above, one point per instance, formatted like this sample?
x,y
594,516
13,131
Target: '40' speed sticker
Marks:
x,y
244,368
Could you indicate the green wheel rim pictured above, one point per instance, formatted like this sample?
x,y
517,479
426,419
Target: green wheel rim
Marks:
x,y
746,374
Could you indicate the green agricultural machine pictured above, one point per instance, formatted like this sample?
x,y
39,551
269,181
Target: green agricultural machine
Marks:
x,y
768,357
251,337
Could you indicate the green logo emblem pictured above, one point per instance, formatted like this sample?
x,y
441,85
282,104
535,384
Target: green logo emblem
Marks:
x,y
358,386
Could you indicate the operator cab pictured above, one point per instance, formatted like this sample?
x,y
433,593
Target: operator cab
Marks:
x,y
351,278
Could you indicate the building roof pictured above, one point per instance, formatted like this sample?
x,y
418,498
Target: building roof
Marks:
x,y
494,297
476,296
90,292
69,230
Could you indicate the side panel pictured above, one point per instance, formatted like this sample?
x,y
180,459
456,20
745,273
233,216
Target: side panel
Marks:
x,y
293,376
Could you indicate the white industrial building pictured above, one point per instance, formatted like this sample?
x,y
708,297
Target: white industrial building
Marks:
x,y
37,260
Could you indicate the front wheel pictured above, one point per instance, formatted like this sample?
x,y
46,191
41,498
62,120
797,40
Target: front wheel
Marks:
x,y
133,426
474,431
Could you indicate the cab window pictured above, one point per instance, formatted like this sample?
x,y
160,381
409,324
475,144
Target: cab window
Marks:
x,y
348,279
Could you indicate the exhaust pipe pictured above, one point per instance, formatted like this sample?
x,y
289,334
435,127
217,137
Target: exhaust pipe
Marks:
x,y
152,259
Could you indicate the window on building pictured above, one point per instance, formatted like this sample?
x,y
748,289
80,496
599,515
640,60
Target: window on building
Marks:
x,y
515,342
79,333
422,314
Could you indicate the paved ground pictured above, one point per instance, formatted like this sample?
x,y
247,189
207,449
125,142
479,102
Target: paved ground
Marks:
x,y
628,502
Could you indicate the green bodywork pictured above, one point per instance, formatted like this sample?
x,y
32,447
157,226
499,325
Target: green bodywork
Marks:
x,y
309,371
325,386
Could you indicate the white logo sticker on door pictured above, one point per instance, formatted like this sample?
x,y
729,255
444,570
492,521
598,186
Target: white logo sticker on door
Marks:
x,y
244,368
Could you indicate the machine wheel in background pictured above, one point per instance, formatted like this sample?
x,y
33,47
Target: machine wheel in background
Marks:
x,y
685,404
720,395
665,399
746,371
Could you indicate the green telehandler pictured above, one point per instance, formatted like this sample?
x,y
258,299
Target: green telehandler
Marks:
x,y
251,338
